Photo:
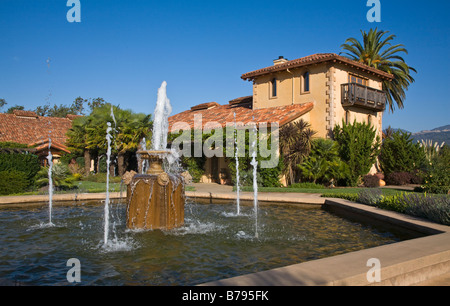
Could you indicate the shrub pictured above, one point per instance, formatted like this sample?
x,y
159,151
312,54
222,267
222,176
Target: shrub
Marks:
x,y
13,181
195,166
371,181
395,203
416,178
399,178
437,176
358,148
432,207
399,153
25,163
12,145
435,208
323,164
370,196
342,195
61,177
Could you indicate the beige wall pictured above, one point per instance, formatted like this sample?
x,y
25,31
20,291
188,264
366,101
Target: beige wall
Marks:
x,y
325,93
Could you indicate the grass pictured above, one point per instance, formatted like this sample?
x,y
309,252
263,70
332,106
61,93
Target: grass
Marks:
x,y
323,191
96,187
87,187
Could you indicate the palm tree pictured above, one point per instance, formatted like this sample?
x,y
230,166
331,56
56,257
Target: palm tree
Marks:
x,y
76,141
295,145
88,133
323,164
377,51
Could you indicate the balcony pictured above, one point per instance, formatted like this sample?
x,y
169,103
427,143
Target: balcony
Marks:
x,y
357,95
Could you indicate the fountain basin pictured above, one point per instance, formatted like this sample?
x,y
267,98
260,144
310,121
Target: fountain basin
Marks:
x,y
211,245
155,199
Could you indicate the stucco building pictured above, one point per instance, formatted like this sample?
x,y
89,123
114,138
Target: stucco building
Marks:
x,y
323,89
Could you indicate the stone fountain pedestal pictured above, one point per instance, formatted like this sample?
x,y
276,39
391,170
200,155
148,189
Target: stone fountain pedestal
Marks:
x,y
156,199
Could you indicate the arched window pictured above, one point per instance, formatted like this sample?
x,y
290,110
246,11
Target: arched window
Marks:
x,y
274,87
306,82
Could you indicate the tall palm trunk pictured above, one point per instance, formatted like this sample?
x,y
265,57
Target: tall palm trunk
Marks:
x,y
121,163
87,162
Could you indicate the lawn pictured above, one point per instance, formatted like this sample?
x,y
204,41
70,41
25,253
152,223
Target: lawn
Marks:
x,y
324,191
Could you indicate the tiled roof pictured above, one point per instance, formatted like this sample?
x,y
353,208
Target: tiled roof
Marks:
x,y
27,128
223,114
43,146
315,59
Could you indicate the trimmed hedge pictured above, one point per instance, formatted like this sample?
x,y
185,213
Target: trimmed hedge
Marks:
x,y
25,163
13,182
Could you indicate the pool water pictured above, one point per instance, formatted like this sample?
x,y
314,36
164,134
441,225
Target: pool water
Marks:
x,y
213,244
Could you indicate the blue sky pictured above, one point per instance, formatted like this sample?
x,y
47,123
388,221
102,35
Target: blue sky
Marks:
x,y
123,50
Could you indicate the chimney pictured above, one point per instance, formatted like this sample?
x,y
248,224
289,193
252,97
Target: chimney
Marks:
x,y
280,60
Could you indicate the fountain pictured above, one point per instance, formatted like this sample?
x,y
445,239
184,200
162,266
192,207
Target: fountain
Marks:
x,y
50,181
254,163
156,198
238,206
108,160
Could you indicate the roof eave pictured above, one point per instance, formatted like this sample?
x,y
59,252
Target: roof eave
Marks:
x,y
250,76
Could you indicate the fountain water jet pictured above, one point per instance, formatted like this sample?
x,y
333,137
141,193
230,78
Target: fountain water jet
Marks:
x,y
156,199
50,181
108,161
254,163
237,170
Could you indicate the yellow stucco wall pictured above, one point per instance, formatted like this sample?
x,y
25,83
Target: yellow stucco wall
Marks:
x,y
328,110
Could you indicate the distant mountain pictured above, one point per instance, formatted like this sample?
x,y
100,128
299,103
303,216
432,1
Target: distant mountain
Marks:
x,y
442,128
439,135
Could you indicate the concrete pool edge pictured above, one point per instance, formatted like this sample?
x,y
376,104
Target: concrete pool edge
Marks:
x,y
404,263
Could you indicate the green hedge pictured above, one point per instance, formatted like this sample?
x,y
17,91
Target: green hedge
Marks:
x,y
12,181
25,163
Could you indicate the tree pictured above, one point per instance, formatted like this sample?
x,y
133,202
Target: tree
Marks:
x,y
88,134
400,153
323,164
376,51
15,107
295,145
358,148
2,103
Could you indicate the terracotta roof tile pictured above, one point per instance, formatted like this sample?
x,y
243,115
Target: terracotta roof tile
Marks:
x,y
223,114
22,113
24,127
205,106
314,59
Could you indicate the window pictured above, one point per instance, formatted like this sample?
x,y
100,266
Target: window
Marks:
x,y
305,87
356,79
347,117
274,87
